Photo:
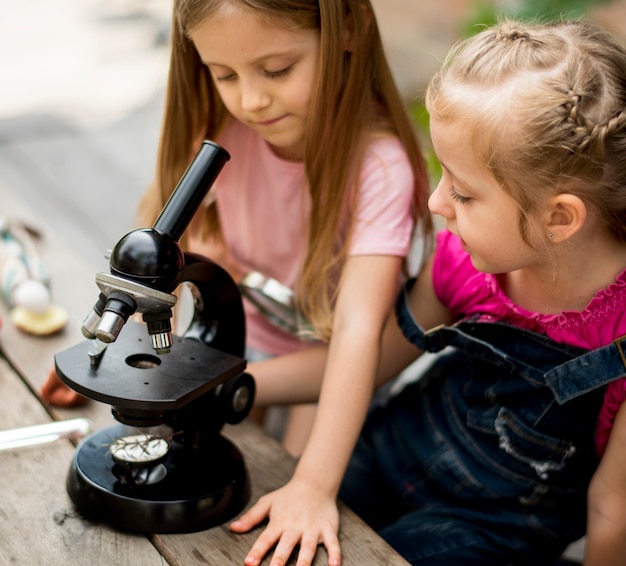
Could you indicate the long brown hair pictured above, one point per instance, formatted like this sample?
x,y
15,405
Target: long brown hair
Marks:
x,y
354,97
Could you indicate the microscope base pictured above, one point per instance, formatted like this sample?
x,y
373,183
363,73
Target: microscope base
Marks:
x,y
195,491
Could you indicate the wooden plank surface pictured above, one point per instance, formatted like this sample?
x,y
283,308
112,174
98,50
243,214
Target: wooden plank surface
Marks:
x,y
43,519
270,467
39,523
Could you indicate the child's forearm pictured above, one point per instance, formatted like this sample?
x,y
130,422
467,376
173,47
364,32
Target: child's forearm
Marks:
x,y
606,516
291,378
605,544
345,397
297,377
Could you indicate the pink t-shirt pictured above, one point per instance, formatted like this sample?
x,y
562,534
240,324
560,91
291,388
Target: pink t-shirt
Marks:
x,y
466,291
264,205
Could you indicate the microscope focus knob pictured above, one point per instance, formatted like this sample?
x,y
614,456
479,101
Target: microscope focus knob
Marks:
x,y
237,395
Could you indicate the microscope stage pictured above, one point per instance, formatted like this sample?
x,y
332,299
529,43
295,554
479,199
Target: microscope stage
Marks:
x,y
131,375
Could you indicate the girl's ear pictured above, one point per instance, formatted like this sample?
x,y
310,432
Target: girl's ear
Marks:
x,y
567,215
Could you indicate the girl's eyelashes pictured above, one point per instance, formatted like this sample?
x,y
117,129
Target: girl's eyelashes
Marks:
x,y
280,73
224,78
457,197
270,74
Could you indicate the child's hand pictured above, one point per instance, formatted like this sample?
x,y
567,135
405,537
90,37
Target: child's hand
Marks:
x,y
298,514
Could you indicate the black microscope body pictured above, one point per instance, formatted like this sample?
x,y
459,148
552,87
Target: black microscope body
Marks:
x,y
165,467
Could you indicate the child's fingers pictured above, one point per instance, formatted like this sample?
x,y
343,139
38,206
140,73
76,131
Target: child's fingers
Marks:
x,y
331,542
307,550
252,517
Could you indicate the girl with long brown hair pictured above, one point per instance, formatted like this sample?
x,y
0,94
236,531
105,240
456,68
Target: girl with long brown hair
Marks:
x,y
323,193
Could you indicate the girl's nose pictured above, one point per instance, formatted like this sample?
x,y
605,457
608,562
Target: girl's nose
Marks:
x,y
439,201
254,96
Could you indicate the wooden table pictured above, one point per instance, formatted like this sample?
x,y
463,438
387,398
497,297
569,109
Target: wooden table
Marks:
x,y
39,524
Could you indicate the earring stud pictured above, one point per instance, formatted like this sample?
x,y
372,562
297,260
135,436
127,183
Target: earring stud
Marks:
x,y
551,235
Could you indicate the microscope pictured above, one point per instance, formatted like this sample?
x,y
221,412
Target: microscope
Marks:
x,y
164,467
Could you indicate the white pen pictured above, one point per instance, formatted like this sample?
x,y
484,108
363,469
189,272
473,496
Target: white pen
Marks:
x,y
43,433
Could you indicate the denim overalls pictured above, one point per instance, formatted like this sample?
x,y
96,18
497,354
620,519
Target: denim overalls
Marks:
x,y
487,458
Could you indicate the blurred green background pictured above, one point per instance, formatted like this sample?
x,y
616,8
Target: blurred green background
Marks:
x,y
483,12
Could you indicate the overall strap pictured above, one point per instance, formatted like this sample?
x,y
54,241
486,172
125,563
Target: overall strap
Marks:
x,y
607,364
573,371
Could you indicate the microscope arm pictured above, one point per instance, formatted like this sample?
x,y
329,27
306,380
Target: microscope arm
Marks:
x,y
218,319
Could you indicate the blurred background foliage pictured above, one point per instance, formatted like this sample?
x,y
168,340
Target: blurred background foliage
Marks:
x,y
484,13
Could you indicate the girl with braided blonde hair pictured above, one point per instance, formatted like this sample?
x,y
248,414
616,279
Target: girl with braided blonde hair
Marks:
x,y
511,445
